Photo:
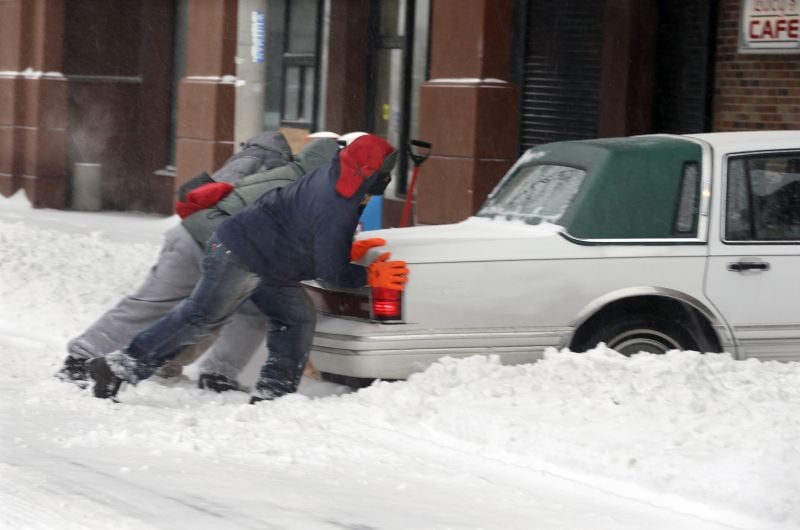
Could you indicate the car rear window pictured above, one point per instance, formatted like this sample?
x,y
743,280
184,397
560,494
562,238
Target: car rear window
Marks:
x,y
535,193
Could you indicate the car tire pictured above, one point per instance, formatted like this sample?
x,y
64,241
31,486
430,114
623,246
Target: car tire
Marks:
x,y
632,334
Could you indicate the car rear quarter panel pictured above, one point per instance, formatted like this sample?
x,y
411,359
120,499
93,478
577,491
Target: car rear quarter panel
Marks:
x,y
544,291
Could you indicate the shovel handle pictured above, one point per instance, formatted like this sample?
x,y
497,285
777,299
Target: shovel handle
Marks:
x,y
421,153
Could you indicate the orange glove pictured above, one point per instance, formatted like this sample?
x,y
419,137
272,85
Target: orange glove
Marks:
x,y
387,274
361,247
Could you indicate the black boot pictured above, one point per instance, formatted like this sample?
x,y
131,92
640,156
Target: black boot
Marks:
x,y
106,383
218,383
74,371
256,398
263,392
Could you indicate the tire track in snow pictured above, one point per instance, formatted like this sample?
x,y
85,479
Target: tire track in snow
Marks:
x,y
91,489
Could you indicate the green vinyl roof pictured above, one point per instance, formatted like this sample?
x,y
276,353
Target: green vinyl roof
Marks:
x,y
631,187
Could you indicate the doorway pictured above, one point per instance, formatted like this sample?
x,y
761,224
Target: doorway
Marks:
x,y
118,60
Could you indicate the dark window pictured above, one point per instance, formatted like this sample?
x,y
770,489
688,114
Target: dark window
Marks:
x,y
562,63
763,198
302,24
688,201
300,63
683,61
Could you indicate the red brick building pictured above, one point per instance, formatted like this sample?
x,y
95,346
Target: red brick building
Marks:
x,y
752,91
155,91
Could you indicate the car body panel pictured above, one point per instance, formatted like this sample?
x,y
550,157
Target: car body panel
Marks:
x,y
490,285
765,321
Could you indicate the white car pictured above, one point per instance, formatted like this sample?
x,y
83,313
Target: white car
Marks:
x,y
648,243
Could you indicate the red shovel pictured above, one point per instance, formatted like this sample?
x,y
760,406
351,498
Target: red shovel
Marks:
x,y
417,157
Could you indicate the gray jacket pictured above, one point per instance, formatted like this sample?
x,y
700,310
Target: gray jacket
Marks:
x,y
202,223
264,151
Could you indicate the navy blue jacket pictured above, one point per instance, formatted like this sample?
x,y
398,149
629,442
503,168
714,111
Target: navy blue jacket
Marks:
x,y
302,231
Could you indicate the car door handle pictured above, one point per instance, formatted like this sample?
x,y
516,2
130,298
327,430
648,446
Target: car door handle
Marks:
x,y
741,266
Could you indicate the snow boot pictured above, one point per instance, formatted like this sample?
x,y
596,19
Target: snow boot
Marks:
x,y
257,398
106,383
218,383
263,392
74,371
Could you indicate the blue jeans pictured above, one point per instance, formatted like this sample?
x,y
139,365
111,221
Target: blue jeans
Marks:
x,y
226,283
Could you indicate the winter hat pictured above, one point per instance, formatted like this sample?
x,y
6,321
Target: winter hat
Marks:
x,y
320,134
361,159
349,138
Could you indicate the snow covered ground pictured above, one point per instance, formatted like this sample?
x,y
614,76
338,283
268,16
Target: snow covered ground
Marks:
x,y
577,441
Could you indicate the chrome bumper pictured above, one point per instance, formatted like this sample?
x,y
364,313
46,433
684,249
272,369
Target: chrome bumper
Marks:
x,y
395,351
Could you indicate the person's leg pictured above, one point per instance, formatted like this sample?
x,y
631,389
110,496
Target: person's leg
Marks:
x,y
170,280
189,355
225,284
292,318
239,339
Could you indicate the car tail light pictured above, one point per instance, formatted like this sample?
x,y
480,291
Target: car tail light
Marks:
x,y
365,303
387,304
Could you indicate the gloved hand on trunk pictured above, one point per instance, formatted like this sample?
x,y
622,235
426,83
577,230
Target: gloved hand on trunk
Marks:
x,y
387,274
361,247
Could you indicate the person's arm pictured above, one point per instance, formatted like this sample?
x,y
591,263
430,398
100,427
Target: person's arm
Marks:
x,y
332,244
380,273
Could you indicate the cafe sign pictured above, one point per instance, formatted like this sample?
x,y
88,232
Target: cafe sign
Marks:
x,y
770,26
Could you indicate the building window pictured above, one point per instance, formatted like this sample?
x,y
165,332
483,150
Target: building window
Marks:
x,y
300,63
398,63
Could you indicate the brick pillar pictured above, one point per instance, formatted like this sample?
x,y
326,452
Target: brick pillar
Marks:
x,y
468,108
206,105
33,101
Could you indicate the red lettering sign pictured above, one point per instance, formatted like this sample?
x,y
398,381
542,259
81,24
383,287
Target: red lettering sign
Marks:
x,y
781,29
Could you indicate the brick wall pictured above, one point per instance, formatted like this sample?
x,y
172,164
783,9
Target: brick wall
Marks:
x,y
752,91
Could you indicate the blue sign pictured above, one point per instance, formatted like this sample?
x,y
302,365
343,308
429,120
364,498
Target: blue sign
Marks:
x,y
257,36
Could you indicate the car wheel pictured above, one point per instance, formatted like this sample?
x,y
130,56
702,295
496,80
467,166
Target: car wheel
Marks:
x,y
636,333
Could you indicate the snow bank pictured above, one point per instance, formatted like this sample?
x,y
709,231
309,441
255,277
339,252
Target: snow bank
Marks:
x,y
60,284
699,434
682,426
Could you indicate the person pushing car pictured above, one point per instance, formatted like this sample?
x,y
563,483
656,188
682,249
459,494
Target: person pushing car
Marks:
x,y
302,231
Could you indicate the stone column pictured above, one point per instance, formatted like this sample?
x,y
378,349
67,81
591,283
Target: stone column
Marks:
x,y
33,101
206,104
468,108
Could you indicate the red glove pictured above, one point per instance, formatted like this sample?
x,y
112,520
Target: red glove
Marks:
x,y
361,247
202,197
387,274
